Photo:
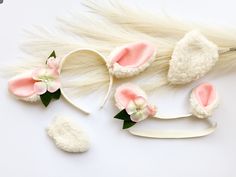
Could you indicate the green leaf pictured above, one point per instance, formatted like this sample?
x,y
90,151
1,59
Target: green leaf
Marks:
x,y
56,95
123,115
128,124
53,54
46,98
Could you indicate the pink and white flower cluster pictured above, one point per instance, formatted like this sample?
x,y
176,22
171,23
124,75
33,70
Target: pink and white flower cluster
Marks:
x,y
30,85
134,100
47,79
139,109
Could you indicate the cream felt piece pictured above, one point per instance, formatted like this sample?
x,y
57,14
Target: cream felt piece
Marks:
x,y
68,135
193,56
134,108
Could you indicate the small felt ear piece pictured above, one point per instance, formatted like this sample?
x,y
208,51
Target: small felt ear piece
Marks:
x,y
127,92
193,56
131,59
22,86
203,100
68,135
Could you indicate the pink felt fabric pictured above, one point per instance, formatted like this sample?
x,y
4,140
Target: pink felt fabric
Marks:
x,y
206,94
127,92
126,95
134,100
22,86
133,55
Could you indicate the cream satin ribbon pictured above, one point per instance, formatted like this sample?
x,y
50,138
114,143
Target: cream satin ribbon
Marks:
x,y
174,134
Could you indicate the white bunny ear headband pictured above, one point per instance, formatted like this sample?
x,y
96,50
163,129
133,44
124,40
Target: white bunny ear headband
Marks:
x,y
49,82
134,107
193,56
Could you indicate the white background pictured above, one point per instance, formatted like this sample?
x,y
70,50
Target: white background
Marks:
x,y
26,151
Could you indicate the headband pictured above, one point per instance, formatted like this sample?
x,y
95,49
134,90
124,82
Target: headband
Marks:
x,y
49,82
134,107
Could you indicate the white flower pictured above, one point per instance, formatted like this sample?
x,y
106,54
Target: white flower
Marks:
x,y
138,109
46,80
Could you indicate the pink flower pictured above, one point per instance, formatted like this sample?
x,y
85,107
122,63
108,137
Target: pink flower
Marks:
x,y
152,110
138,109
53,63
47,79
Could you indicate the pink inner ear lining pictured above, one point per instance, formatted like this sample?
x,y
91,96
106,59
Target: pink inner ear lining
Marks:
x,y
22,86
134,55
125,95
206,94
127,92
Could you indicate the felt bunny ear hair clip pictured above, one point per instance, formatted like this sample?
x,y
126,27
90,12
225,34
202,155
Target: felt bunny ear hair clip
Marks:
x,y
134,107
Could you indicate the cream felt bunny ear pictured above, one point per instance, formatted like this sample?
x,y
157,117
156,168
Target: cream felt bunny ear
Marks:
x,y
134,108
131,59
203,100
193,56
22,86
68,135
127,92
